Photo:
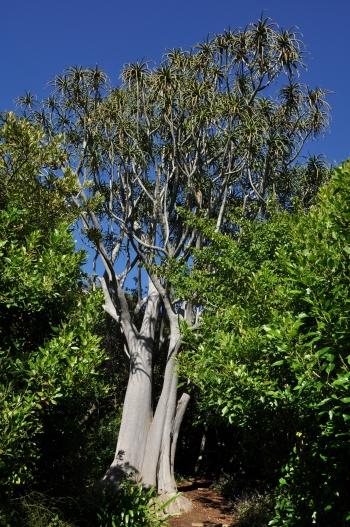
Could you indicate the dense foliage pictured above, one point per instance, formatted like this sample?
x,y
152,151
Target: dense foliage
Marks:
x,y
49,355
272,355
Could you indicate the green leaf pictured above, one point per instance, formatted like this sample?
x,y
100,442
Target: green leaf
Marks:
x,y
278,363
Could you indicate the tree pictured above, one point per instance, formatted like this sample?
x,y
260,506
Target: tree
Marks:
x,y
202,132
272,351
49,354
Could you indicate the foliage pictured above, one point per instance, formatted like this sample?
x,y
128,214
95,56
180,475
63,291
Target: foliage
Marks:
x,y
253,510
315,481
215,127
28,160
130,506
35,510
272,351
49,354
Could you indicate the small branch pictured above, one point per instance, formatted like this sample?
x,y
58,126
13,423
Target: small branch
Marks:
x,y
222,208
254,187
108,306
179,415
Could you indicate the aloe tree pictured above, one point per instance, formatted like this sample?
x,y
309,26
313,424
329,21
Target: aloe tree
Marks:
x,y
203,131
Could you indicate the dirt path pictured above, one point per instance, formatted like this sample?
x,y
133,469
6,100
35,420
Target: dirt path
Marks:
x,y
209,508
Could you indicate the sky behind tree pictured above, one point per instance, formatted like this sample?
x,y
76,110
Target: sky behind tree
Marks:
x,y
39,39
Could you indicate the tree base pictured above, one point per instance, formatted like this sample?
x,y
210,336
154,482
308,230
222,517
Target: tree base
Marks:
x,y
174,503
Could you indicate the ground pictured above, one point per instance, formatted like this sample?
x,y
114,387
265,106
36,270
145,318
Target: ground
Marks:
x,y
209,508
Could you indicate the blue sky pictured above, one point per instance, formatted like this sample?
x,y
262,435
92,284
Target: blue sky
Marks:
x,y
39,38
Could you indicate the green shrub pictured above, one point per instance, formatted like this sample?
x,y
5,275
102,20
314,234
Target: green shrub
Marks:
x,y
253,510
35,510
272,354
130,506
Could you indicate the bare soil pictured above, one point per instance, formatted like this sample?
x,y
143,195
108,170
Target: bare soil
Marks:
x,y
209,508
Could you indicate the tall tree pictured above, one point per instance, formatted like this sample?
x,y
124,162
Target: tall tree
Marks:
x,y
204,131
272,357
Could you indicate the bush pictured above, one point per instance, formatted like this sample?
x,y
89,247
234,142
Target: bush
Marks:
x,y
131,506
35,510
254,510
272,356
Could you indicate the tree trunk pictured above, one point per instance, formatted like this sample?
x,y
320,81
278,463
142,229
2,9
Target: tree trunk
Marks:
x,y
167,487
166,478
180,412
158,465
136,418
137,408
155,435
147,443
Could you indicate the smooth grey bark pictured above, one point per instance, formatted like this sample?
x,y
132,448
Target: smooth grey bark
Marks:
x,y
136,416
180,412
166,475
166,469
166,479
137,408
158,465
155,435
147,442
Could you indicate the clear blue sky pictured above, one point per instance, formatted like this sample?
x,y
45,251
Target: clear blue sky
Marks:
x,y
39,38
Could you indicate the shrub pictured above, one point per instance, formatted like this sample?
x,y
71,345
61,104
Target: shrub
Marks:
x,y
253,510
131,506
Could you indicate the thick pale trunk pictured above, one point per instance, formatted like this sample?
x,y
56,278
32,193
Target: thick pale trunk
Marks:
x,y
167,487
137,408
166,478
136,418
158,465
146,445
155,435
